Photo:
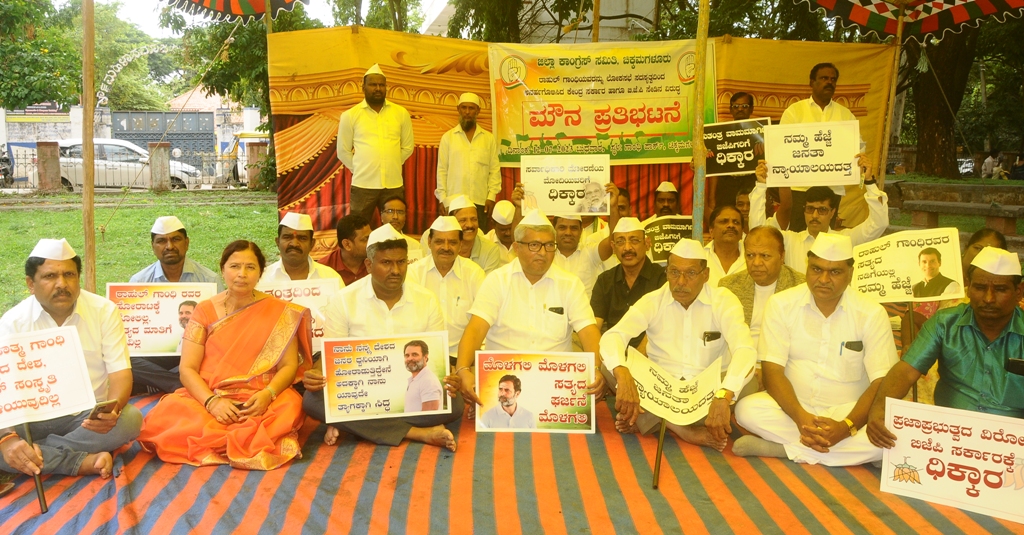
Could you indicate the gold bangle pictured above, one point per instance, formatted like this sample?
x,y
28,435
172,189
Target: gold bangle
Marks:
x,y
273,395
460,369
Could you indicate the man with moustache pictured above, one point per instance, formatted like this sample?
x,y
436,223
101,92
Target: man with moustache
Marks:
x,y
722,190
474,246
502,220
170,243
467,162
393,211
348,259
725,250
374,140
666,202
294,242
423,392
824,351
622,286
454,280
382,305
72,445
508,414
586,261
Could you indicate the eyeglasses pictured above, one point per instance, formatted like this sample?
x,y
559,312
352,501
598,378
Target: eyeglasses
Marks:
x,y
535,246
392,211
674,274
739,106
820,210
633,240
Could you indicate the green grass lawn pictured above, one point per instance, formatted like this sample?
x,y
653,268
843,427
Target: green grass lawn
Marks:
x,y
124,248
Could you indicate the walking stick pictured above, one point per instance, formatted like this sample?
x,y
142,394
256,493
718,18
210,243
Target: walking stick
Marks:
x,y
39,482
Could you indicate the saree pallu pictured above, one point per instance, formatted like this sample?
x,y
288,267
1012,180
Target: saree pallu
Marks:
x,y
242,351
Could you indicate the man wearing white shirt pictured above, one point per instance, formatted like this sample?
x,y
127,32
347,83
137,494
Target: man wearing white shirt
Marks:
x,y
502,219
825,349
586,260
393,211
689,325
725,250
474,246
377,306
294,242
530,305
76,444
454,280
467,161
374,140
508,413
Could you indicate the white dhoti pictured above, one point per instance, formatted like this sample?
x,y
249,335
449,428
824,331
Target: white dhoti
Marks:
x,y
760,414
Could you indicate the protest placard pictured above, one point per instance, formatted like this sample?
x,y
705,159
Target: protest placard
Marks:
x,y
566,185
665,232
734,147
812,154
545,392
385,377
955,457
43,375
312,294
155,314
678,401
912,265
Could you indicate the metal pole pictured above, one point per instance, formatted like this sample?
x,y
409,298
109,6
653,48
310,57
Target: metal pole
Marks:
x,y
906,343
88,156
887,124
657,459
28,438
699,151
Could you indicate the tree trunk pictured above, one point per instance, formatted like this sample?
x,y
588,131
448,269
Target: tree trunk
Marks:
x,y
937,136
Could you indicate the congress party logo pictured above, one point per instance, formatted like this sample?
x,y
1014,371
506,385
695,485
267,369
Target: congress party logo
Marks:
x,y
686,68
512,71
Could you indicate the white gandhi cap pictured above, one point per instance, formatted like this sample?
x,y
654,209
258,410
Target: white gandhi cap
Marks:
x,y
627,224
832,247
469,98
459,202
997,261
667,187
373,70
384,233
504,212
296,221
53,250
445,223
166,225
691,249
536,218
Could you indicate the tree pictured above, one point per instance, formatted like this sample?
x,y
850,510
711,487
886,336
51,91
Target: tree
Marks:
x,y
397,15
39,61
483,20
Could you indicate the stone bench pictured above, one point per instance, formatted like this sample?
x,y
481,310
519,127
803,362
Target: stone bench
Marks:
x,y
925,214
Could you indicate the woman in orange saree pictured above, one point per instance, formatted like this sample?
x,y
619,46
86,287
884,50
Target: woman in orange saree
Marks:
x,y
242,351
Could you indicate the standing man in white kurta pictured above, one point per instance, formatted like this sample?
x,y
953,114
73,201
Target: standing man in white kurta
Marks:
x,y
689,325
825,349
374,140
454,280
467,162
294,242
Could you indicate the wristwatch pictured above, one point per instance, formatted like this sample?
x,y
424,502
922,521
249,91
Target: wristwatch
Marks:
x,y
721,393
853,428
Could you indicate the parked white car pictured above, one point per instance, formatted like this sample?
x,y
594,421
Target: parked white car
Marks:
x,y
118,164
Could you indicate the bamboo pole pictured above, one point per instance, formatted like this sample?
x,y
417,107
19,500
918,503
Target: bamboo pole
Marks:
x,y
699,151
88,155
595,32
887,123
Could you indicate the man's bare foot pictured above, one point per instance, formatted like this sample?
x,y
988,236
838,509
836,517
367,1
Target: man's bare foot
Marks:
x,y
623,427
697,434
438,435
331,436
101,464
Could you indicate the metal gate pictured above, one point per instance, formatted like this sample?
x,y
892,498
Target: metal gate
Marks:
x,y
192,132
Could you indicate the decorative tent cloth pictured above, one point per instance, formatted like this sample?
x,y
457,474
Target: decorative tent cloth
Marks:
x,y
232,10
921,17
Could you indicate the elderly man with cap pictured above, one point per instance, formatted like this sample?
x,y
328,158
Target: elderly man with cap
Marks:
x,y
824,349
170,245
72,445
294,242
689,324
348,259
380,305
467,161
973,344
374,140
666,202
635,276
454,280
529,305
503,217
474,246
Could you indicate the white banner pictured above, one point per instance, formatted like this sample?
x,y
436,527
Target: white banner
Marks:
x,y
312,294
913,265
812,154
155,314
681,402
43,375
566,185
959,458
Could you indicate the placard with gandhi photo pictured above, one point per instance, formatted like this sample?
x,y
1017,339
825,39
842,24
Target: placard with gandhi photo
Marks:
x,y
964,459
566,185
387,377
539,392
734,147
665,232
43,375
312,294
912,265
155,314
812,154
681,402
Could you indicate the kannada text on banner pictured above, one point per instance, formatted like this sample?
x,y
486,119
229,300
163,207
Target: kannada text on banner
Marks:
x,y
566,185
665,232
43,375
312,294
734,147
912,265
632,101
681,402
155,314
385,377
812,154
959,458
546,392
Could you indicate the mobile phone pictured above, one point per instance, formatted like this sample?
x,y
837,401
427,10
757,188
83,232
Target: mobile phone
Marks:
x,y
1015,366
104,407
